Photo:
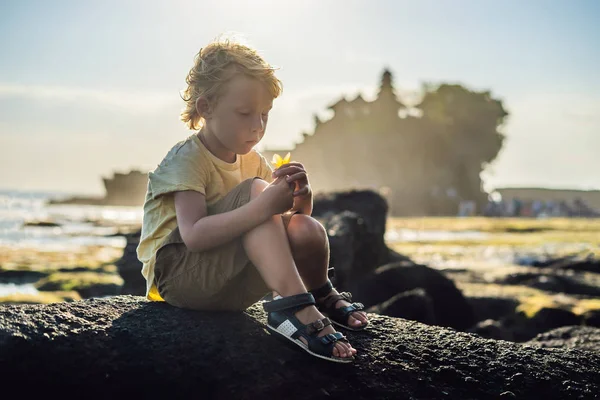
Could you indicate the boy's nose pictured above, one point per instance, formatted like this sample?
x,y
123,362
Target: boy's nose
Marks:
x,y
259,124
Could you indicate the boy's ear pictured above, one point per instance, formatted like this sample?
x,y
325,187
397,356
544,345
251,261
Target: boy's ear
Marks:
x,y
203,107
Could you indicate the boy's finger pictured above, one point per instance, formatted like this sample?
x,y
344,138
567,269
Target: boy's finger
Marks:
x,y
287,170
301,192
280,179
296,177
293,164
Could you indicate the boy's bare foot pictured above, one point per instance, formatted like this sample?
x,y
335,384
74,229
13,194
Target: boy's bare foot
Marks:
x,y
311,314
356,319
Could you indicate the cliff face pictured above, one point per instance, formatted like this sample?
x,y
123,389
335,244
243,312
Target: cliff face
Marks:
x,y
127,346
122,189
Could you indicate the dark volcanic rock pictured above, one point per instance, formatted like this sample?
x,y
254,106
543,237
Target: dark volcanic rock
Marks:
x,y
450,307
355,221
552,281
550,318
128,347
572,337
415,305
370,205
589,264
486,307
21,277
520,328
130,267
591,318
354,250
491,329
42,224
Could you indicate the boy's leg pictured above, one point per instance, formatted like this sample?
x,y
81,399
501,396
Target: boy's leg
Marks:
x,y
268,248
220,278
310,250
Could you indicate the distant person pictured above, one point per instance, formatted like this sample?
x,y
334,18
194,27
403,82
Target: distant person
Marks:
x,y
518,207
510,208
536,208
221,229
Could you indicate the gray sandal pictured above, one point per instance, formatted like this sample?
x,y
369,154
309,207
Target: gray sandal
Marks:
x,y
282,322
338,316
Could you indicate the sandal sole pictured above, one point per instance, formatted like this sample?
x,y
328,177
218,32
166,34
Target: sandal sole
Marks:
x,y
306,349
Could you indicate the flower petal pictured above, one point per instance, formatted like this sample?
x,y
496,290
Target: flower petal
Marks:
x,y
287,158
276,160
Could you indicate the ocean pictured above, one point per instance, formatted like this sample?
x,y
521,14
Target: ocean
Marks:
x,y
68,228
76,225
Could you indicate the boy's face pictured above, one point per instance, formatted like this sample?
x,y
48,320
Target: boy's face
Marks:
x,y
239,118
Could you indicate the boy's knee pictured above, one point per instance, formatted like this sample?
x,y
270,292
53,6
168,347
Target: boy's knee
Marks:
x,y
257,186
306,234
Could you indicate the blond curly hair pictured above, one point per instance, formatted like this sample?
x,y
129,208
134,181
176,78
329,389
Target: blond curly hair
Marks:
x,y
214,66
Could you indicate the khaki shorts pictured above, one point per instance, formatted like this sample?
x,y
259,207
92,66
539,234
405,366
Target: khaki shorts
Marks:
x,y
222,278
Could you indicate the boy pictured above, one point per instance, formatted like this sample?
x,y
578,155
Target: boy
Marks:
x,y
217,235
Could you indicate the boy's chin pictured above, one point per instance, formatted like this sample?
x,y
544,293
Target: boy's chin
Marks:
x,y
247,148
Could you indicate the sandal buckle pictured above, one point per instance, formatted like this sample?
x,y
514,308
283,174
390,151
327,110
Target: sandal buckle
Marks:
x,y
347,296
319,325
316,326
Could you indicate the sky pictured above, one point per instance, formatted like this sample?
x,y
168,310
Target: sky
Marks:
x,y
88,88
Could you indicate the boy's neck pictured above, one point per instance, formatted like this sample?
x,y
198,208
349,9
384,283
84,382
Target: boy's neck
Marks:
x,y
213,145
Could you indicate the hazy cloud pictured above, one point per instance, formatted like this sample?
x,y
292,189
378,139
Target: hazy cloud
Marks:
x,y
131,101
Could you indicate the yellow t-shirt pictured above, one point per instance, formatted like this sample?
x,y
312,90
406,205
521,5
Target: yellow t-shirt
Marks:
x,y
189,165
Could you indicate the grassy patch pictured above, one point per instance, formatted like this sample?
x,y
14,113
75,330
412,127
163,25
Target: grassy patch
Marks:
x,y
40,298
496,225
93,258
531,300
531,305
586,305
497,290
502,238
66,281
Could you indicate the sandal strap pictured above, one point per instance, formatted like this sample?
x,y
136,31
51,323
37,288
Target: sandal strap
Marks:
x,y
346,311
323,290
330,272
317,326
291,302
331,300
332,338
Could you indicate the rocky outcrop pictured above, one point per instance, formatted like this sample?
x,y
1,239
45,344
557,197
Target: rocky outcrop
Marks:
x,y
356,224
448,305
570,337
415,305
586,263
125,346
519,327
555,281
589,264
130,267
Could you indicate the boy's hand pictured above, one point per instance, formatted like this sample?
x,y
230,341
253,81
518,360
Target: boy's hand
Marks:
x,y
277,197
296,174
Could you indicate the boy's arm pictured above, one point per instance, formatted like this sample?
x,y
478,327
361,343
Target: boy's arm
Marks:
x,y
201,232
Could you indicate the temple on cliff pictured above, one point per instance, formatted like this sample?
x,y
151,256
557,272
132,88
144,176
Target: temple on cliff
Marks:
x,y
377,145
